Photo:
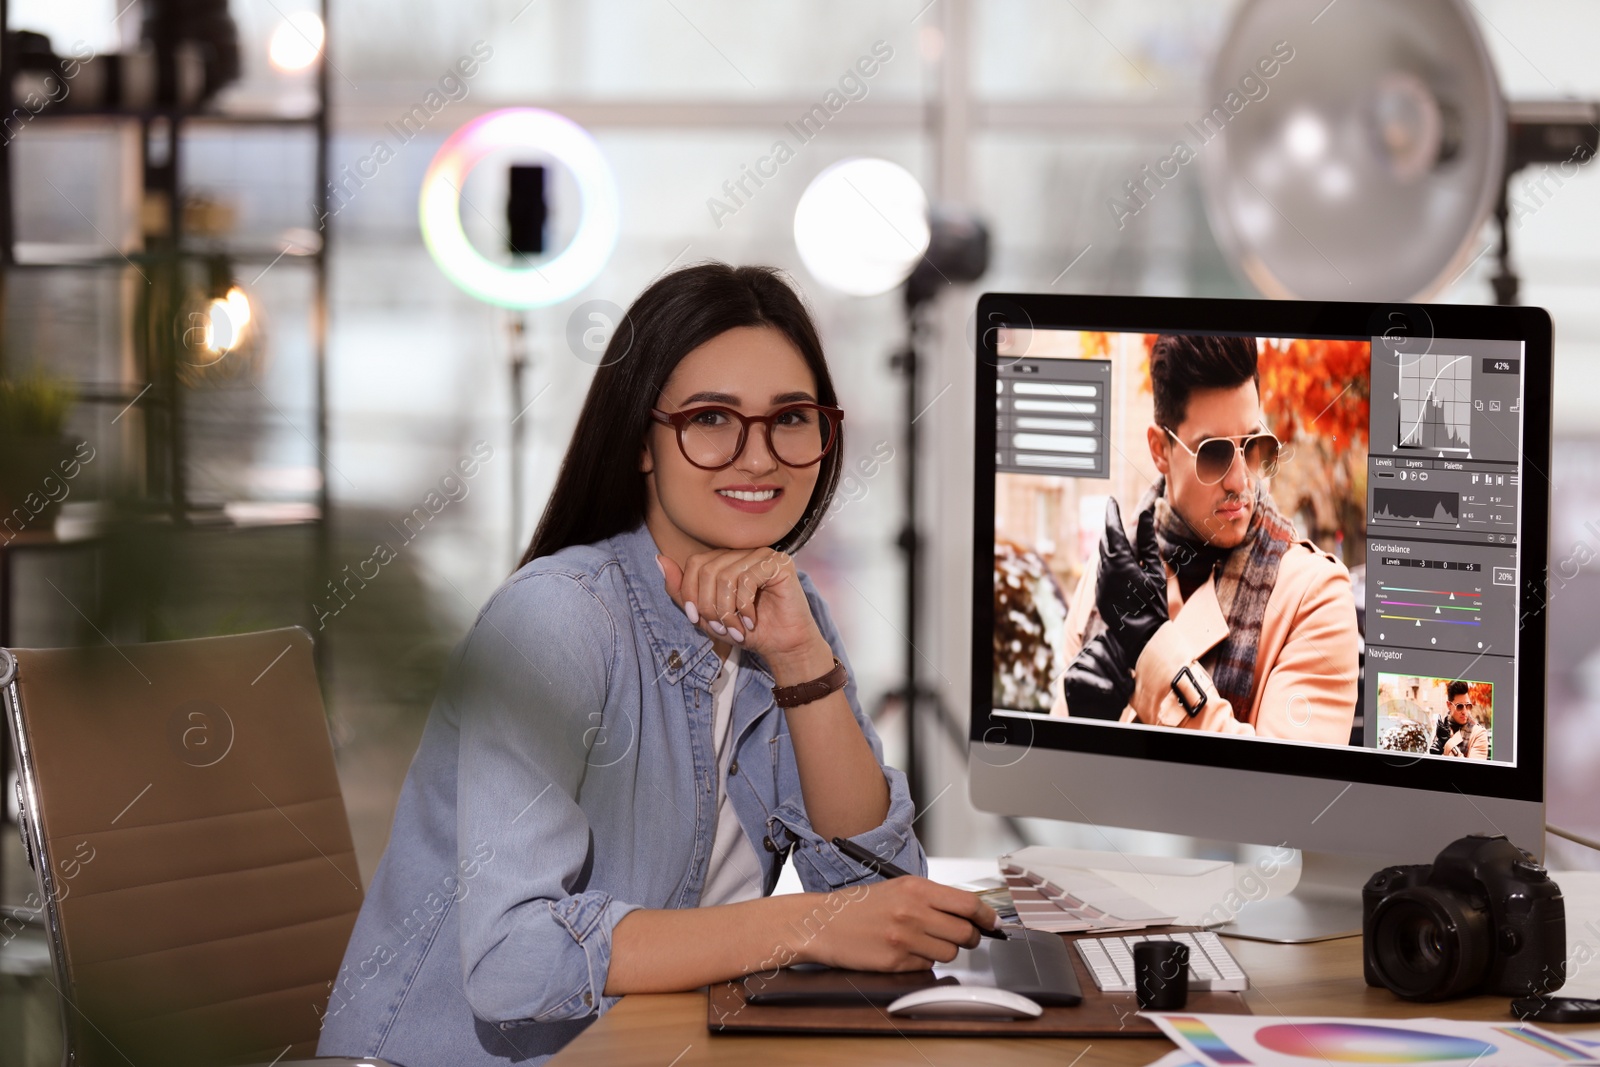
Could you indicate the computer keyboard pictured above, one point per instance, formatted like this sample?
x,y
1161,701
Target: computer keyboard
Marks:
x,y
1211,966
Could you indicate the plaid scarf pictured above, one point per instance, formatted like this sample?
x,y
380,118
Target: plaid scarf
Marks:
x,y
1245,576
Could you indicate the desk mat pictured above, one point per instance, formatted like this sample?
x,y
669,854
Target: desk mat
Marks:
x,y
1100,1014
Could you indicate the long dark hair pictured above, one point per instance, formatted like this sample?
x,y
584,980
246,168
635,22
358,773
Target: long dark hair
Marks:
x,y
600,490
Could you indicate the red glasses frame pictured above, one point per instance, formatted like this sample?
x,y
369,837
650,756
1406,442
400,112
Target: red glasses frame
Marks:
x,y
679,421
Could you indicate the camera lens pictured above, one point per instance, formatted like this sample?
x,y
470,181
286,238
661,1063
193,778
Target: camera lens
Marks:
x,y
1428,945
1417,945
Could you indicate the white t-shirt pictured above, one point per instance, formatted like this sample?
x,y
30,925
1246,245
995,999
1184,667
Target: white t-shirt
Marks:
x,y
735,871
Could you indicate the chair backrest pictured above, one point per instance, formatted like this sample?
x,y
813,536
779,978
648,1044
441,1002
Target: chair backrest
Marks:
x,y
184,818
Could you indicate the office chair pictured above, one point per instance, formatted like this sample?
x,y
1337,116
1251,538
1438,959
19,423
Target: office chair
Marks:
x,y
191,851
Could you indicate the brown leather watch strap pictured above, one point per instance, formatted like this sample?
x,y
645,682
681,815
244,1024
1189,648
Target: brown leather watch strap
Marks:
x,y
788,696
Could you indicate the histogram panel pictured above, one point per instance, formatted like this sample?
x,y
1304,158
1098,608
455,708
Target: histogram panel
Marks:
x,y
1415,506
1436,403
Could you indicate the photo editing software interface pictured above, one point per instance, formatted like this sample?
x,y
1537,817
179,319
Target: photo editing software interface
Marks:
x,y
1394,488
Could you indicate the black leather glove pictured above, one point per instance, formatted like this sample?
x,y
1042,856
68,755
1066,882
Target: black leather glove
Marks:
x,y
1099,682
1131,590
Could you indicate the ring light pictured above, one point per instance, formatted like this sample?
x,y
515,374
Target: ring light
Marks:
x,y
530,286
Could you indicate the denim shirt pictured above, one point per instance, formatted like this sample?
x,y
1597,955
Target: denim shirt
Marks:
x,y
567,776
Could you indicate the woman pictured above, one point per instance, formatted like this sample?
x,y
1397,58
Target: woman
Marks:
x,y
605,792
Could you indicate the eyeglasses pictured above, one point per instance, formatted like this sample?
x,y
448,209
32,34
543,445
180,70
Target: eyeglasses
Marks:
x,y
1465,705
1262,452
712,437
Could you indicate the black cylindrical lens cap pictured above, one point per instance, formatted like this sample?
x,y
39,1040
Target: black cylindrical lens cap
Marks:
x,y
1161,975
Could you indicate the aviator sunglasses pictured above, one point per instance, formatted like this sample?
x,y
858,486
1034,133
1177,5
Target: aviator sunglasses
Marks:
x,y
1215,456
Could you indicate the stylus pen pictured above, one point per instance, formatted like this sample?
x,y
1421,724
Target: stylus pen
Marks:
x,y
889,870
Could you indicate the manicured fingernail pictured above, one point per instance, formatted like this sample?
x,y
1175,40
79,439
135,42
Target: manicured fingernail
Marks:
x,y
689,610
749,623
717,626
660,568
734,633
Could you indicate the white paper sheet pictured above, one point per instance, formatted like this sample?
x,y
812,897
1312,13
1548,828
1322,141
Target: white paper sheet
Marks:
x,y
1178,1058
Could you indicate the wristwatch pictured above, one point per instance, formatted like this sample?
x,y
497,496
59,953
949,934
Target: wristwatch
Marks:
x,y
788,696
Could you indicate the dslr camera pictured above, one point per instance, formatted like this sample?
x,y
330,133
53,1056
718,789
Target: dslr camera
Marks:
x,y
1484,917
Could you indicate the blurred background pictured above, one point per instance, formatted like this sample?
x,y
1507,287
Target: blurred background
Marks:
x,y
219,307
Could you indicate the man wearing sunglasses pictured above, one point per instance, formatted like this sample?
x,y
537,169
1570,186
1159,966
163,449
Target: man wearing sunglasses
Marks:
x,y
1457,732
1217,616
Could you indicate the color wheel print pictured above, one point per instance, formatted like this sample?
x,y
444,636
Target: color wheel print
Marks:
x,y
1357,1043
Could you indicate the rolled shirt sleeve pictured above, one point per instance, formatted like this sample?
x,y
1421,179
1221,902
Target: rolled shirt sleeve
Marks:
x,y
530,697
821,866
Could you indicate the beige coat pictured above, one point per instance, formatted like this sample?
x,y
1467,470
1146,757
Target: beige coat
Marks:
x,y
1307,661
1477,746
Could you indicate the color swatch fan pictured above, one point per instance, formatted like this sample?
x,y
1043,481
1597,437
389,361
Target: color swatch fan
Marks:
x,y
1085,901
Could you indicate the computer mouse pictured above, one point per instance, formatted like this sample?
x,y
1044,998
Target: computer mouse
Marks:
x,y
966,1002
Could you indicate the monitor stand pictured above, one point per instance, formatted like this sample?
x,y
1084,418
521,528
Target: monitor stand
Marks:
x,y
1325,903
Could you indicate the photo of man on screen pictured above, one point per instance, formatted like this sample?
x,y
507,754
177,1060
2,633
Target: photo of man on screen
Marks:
x,y
1458,732
1216,615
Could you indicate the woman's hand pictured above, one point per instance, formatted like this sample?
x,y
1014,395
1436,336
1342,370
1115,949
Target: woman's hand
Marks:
x,y
903,924
900,924
751,596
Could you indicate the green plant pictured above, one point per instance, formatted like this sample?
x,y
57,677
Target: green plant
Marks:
x,y
35,406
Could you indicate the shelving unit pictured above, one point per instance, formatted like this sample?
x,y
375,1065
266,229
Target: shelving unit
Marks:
x,y
154,394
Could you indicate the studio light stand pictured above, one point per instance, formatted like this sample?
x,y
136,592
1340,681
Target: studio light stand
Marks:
x,y
526,214
1440,144
1555,132
517,330
958,252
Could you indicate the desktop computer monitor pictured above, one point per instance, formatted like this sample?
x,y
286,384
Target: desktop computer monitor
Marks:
x,y
1322,624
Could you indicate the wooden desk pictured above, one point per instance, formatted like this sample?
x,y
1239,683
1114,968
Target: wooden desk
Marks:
x,y
669,1030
